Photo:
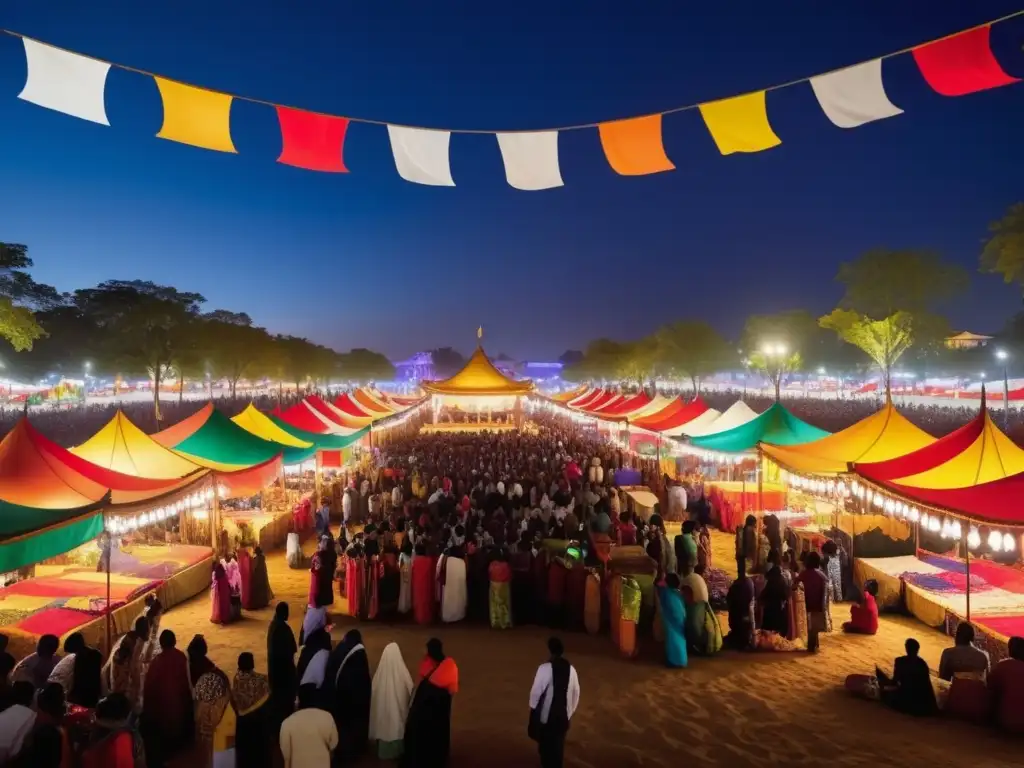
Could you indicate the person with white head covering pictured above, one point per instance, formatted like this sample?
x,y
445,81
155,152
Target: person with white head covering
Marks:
x,y
389,703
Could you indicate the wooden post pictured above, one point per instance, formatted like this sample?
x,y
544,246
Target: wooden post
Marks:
x,y
967,560
212,515
109,552
318,476
760,481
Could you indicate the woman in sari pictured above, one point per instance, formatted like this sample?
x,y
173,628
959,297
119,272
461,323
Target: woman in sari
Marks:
x,y
451,579
422,583
864,615
389,703
347,695
774,599
167,718
321,575
500,573
428,728
260,593
118,670
405,576
354,578
250,696
673,621
245,572
220,596
113,740
313,658
211,692
281,650
740,600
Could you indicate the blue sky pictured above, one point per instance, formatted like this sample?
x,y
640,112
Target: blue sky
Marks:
x,y
366,259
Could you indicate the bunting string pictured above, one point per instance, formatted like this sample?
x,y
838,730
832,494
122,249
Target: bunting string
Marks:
x,y
957,64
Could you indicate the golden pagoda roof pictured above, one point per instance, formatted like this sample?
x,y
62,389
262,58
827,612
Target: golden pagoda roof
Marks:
x,y
479,377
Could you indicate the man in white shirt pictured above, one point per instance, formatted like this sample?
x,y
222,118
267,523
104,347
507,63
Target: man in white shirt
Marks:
x,y
553,701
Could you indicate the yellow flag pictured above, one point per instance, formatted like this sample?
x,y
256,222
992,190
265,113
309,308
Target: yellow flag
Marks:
x,y
195,116
740,124
480,332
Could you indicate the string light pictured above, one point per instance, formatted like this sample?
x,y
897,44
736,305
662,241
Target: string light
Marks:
x,y
1008,543
995,541
973,538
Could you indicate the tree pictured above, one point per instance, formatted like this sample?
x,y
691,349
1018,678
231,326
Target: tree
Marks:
x,y
1003,253
775,361
884,341
883,282
141,326
570,357
365,365
603,359
691,348
20,296
68,342
447,362
233,347
638,361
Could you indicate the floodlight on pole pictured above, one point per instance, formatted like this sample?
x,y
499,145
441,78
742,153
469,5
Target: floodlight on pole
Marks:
x,y
1004,357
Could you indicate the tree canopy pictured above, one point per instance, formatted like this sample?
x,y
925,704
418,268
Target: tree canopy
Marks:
x,y
883,282
692,348
1003,253
20,296
884,341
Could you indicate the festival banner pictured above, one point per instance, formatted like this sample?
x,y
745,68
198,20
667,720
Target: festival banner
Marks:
x,y
531,159
312,141
961,64
195,116
634,147
740,124
65,82
854,96
75,84
421,155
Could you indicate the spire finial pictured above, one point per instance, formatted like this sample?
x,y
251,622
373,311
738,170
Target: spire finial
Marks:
x,y
480,332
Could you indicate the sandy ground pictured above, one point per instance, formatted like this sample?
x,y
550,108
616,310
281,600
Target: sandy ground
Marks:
x,y
732,710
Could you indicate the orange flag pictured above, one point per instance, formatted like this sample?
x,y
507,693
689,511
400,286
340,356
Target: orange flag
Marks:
x,y
195,116
740,124
634,147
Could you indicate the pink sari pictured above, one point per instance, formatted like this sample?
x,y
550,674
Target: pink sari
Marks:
x,y
245,571
220,597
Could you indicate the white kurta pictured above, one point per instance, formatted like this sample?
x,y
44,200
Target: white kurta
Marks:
x,y
454,596
307,739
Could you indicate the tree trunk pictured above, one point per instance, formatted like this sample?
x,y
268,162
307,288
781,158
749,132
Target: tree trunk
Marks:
x,y
887,376
181,387
156,394
696,386
778,386
234,386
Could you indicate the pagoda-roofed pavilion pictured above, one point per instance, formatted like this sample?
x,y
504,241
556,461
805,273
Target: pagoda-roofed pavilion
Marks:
x,y
479,388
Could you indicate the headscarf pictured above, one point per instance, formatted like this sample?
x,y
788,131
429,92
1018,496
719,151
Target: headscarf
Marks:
x,y
391,696
249,690
313,658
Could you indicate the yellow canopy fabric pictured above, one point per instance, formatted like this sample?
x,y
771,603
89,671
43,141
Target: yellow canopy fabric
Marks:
x,y
251,420
881,436
992,456
123,447
479,377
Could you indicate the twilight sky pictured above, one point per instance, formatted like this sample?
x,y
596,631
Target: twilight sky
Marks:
x,y
367,259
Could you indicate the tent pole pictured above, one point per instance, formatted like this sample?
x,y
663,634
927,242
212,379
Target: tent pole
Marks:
x,y
967,560
760,481
108,551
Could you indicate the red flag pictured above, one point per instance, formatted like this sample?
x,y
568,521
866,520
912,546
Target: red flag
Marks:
x,y
961,64
311,141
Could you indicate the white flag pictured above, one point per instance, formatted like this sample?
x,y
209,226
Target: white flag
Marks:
x,y
531,159
65,82
421,155
854,96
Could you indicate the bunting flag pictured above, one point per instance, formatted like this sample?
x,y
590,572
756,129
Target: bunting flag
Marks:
x,y
740,124
312,141
65,82
531,160
75,85
854,96
421,155
634,147
195,116
961,64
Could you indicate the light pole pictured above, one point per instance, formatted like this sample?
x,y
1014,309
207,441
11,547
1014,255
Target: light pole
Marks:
x,y
1003,356
85,381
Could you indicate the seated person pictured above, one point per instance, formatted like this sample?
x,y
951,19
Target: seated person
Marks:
x,y
909,690
1006,686
627,534
864,615
967,668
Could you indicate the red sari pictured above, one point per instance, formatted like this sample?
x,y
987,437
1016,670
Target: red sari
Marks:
x,y
423,567
245,571
314,578
220,597
354,578
167,699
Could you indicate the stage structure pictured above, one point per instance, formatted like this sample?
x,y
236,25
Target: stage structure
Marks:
x,y
477,398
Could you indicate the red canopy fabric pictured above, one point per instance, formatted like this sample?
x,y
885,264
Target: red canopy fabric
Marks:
x,y
605,397
1000,502
334,414
301,417
683,415
344,402
588,399
942,450
673,406
628,405
961,64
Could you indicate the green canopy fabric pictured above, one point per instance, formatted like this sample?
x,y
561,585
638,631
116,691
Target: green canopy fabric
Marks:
x,y
56,540
776,426
221,440
325,442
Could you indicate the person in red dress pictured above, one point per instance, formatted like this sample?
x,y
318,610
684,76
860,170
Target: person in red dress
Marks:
x,y
245,571
864,615
423,567
220,596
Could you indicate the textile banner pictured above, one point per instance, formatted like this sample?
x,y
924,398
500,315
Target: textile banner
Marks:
x,y
65,82
61,538
421,155
634,147
740,124
195,116
854,96
961,64
312,141
531,160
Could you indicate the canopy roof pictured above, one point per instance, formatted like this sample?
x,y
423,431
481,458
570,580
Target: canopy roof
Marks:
x,y
211,439
123,447
603,398
736,414
366,400
609,406
776,425
324,442
586,398
335,415
658,403
259,424
624,408
881,436
479,377
665,411
976,453
350,407
698,425
303,416
572,394
673,424
999,501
